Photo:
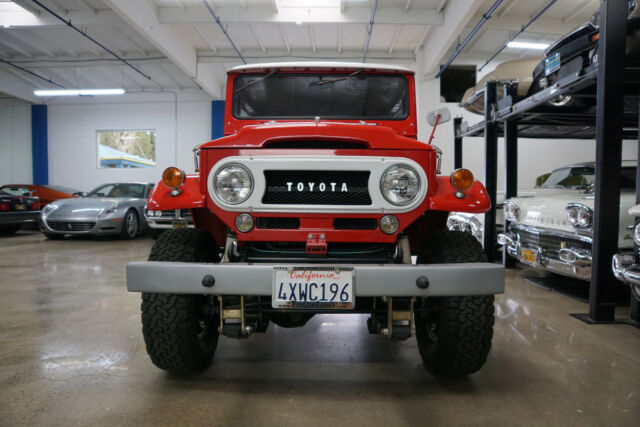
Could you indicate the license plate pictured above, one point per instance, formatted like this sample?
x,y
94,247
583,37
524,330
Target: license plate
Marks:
x,y
552,64
528,255
312,288
179,224
21,207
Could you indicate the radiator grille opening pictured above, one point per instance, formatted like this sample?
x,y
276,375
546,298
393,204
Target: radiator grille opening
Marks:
x,y
71,225
278,223
355,224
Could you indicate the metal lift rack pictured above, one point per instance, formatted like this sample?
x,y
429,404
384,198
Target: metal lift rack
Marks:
x,y
615,117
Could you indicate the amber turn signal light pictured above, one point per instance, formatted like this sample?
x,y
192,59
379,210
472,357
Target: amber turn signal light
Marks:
x,y
173,177
462,179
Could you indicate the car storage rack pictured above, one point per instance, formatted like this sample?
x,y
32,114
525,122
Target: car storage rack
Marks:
x,y
614,117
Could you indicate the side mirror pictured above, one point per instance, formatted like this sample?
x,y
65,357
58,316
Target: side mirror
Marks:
x,y
432,116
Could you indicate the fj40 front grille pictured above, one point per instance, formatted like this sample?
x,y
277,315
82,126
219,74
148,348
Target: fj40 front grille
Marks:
x,y
291,187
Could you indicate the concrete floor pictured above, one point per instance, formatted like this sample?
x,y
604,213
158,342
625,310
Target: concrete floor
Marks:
x,y
71,353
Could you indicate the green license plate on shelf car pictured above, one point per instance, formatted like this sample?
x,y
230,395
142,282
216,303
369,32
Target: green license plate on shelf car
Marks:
x,y
312,288
552,64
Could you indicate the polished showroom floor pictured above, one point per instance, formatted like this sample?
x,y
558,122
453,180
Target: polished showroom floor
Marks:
x,y
71,353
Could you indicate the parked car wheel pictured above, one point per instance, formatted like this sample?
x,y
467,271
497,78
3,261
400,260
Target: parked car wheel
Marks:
x,y
453,333
181,331
130,225
9,229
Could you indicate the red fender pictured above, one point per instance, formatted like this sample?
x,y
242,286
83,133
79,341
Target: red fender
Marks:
x,y
476,199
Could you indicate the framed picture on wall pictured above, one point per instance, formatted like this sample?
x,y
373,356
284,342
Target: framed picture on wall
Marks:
x,y
126,149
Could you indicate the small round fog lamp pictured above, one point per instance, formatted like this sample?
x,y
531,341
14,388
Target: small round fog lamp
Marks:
x,y
389,224
244,223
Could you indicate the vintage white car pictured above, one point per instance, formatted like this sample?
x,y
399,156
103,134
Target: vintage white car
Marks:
x,y
554,231
562,181
626,264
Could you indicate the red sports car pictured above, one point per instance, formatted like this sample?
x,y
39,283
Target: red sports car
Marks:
x,y
46,193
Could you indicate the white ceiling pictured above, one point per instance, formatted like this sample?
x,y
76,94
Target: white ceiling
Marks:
x,y
179,45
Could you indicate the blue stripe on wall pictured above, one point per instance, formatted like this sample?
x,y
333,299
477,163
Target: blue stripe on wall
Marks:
x,y
217,119
39,146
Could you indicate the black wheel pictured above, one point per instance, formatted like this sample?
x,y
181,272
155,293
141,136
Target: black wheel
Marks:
x,y
181,331
9,229
453,333
54,236
130,225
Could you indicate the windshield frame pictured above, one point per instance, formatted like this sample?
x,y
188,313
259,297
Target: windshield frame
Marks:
x,y
332,77
91,194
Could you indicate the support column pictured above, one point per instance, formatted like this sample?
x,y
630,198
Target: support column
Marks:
x,y
609,121
510,163
490,169
217,119
39,145
634,305
457,143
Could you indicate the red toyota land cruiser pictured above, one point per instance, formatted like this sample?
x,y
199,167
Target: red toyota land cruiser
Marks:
x,y
316,200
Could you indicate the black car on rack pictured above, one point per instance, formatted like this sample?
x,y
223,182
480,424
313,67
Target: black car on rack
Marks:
x,y
17,210
577,53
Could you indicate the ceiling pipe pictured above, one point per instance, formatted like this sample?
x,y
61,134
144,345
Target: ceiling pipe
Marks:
x,y
369,29
522,30
68,23
32,73
473,32
224,30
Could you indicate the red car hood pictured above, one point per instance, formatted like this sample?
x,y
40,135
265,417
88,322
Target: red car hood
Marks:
x,y
375,137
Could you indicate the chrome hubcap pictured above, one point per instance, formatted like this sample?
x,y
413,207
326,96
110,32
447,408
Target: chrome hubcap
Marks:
x,y
131,224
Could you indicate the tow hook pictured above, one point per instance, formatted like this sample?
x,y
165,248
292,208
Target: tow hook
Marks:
x,y
316,244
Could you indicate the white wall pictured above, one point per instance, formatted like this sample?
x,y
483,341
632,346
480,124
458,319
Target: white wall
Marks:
x,y
535,156
15,142
73,142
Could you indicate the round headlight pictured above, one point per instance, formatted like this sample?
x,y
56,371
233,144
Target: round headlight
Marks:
x,y
244,223
584,217
572,215
510,211
400,185
233,184
636,234
389,224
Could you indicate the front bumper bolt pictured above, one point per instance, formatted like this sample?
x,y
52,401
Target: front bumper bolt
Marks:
x,y
422,282
208,281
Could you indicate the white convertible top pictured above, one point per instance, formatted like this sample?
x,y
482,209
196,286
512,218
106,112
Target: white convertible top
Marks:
x,y
320,66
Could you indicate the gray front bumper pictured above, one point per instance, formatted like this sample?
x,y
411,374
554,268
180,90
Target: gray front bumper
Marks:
x,y
391,280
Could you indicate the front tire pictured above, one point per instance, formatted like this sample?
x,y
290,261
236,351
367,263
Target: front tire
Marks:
x,y
453,333
181,331
130,225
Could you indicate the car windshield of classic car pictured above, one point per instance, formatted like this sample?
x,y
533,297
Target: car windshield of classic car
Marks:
x,y
118,190
305,96
584,176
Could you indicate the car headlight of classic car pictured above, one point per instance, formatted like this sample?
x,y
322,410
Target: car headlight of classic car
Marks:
x,y
636,234
579,216
511,211
400,185
233,183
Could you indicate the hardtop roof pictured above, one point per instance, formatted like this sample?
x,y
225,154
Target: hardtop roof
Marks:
x,y
320,66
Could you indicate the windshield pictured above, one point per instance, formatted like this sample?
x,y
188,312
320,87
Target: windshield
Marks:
x,y
582,177
351,96
15,191
118,190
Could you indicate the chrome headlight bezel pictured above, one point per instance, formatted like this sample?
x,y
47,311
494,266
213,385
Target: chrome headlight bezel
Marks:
x,y
49,208
636,234
217,183
415,185
580,216
510,211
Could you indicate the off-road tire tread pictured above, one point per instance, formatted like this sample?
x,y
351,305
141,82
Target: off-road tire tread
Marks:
x,y
465,323
170,321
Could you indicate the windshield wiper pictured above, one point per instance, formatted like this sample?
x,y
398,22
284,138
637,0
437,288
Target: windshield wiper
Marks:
x,y
324,82
255,81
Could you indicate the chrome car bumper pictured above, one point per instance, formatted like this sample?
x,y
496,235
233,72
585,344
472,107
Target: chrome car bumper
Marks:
x,y
554,251
166,219
626,268
369,280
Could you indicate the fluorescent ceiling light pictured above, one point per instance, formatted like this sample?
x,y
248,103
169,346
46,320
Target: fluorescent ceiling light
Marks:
x,y
304,4
78,92
527,45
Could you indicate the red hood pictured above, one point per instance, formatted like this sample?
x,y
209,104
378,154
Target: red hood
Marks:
x,y
376,137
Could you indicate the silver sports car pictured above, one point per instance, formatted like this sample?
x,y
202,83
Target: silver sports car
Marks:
x,y
110,209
